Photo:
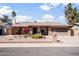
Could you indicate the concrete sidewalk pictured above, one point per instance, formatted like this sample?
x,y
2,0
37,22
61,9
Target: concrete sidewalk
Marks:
x,y
37,45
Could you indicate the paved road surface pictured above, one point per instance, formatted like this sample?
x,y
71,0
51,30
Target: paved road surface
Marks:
x,y
39,51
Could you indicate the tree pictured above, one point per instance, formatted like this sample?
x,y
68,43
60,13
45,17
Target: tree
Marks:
x,y
14,15
5,18
1,19
6,21
71,14
77,17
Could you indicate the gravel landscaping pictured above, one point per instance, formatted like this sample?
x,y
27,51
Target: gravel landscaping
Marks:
x,y
23,38
46,39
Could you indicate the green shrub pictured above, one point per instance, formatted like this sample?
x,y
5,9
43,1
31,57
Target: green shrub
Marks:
x,y
37,36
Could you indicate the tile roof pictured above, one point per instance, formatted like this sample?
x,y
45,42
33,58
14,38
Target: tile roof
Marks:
x,y
39,24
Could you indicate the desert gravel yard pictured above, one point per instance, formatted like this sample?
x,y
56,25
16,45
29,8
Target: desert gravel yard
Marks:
x,y
66,41
23,39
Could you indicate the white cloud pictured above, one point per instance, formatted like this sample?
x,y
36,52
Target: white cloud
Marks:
x,y
65,4
5,10
22,18
47,17
48,6
45,7
52,5
62,19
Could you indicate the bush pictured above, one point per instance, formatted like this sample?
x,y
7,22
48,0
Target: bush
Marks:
x,y
37,36
25,30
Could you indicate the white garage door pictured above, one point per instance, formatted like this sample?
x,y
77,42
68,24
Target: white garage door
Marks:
x,y
61,31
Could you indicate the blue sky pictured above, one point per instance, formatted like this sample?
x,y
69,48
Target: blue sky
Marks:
x,y
36,11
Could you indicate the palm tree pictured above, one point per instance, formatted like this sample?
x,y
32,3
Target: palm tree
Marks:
x,y
77,17
68,11
71,14
5,18
14,15
5,23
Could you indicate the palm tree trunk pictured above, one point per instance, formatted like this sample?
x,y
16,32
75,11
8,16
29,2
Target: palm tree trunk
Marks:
x,y
15,21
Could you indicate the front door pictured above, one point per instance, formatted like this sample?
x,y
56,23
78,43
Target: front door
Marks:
x,y
34,30
44,30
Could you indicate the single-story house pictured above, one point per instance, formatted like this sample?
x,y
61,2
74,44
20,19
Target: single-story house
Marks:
x,y
45,28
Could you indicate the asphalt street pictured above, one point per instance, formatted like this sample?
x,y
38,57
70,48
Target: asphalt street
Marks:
x,y
39,51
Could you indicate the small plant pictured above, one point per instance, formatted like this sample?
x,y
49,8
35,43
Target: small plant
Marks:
x,y
10,39
37,36
25,36
19,36
15,36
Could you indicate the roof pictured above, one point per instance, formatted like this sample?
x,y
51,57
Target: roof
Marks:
x,y
77,24
39,24
75,27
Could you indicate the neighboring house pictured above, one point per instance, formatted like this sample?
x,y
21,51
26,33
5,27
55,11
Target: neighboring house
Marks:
x,y
45,28
1,30
75,28
4,28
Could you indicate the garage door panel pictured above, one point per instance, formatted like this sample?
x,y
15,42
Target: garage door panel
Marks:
x,y
61,31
